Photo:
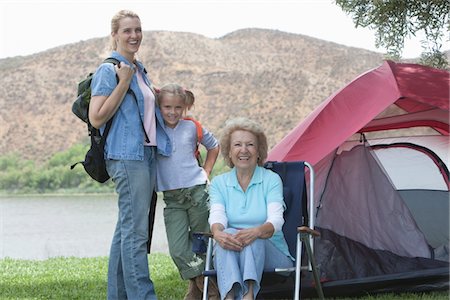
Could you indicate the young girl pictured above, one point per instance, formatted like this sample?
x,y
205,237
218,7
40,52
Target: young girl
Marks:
x,y
183,183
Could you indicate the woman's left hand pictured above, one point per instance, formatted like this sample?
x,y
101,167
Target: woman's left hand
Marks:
x,y
227,241
248,235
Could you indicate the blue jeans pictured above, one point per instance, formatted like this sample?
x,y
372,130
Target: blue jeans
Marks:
x,y
128,272
235,268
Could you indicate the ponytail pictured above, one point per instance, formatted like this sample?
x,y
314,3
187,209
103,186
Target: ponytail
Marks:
x,y
176,90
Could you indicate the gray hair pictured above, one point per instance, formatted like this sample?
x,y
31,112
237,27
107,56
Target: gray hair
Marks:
x,y
244,124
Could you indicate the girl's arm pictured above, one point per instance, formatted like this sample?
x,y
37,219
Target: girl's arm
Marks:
x,y
211,157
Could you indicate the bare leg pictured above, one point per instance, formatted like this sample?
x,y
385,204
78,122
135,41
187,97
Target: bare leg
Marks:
x,y
193,293
230,295
249,295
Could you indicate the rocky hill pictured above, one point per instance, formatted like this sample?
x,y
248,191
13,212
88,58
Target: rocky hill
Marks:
x,y
274,77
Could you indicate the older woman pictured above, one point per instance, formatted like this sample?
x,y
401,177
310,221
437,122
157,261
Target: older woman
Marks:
x,y
246,214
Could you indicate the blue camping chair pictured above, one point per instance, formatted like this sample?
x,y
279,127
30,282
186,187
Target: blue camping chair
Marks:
x,y
298,228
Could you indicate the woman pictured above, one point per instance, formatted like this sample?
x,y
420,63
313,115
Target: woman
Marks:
x,y
246,214
125,94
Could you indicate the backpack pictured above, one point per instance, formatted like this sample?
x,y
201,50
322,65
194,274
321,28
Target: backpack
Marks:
x,y
198,125
94,161
81,105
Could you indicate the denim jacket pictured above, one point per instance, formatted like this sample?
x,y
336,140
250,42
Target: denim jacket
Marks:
x,y
126,136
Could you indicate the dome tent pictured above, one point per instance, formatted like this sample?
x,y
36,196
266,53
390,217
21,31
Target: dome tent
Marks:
x,y
379,147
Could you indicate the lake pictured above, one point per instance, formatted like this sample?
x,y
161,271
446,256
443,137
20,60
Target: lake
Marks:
x,y
40,227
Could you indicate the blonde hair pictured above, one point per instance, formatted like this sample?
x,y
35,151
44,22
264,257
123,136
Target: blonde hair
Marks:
x,y
174,89
245,125
115,24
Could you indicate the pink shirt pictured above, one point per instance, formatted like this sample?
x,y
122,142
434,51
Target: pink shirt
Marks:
x,y
149,111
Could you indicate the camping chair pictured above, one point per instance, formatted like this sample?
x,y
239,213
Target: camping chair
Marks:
x,y
295,229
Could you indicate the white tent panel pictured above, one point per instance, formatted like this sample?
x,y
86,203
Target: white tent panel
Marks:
x,y
409,169
439,144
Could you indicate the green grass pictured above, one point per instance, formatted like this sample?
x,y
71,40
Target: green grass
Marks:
x,y
407,296
78,278
85,278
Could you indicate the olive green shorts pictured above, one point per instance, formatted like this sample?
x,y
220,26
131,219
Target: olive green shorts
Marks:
x,y
186,211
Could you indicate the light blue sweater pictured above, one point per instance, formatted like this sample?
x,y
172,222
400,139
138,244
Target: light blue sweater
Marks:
x,y
181,169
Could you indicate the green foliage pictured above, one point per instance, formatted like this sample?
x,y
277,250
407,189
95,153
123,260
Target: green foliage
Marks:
x,y
61,158
219,167
395,20
434,58
9,162
24,176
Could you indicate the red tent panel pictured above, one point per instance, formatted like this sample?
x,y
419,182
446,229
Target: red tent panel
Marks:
x,y
414,88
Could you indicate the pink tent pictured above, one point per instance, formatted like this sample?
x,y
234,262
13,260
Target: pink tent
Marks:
x,y
380,152
421,94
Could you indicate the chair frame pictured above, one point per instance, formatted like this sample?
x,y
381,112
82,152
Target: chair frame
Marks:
x,y
305,234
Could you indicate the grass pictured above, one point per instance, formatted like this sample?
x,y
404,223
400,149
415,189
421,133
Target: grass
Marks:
x,y
407,296
78,278
85,278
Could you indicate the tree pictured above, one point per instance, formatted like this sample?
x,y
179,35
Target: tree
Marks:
x,y
395,20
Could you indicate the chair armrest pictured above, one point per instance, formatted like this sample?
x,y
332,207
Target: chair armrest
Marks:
x,y
306,229
205,234
200,242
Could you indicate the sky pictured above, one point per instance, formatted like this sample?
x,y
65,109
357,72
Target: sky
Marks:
x,y
28,27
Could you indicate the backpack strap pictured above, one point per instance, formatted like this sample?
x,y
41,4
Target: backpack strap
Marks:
x,y
199,128
112,60
116,62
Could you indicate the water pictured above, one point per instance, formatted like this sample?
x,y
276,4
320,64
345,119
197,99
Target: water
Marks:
x,y
40,227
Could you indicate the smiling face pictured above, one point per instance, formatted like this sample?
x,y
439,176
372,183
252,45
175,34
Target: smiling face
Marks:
x,y
243,149
128,36
172,108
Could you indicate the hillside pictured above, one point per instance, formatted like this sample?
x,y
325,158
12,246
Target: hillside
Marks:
x,y
274,77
